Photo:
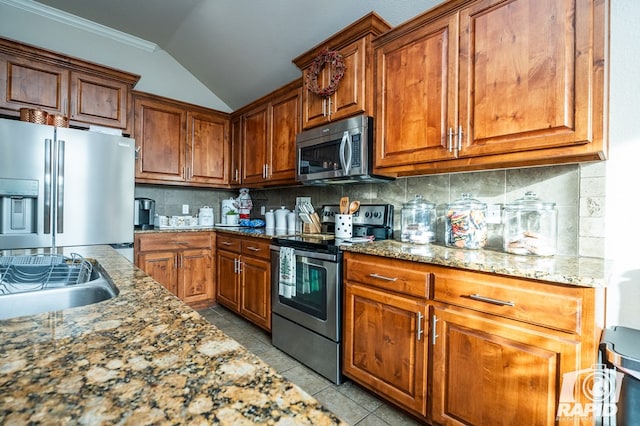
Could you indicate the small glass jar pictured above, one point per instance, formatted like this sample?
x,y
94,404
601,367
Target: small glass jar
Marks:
x,y
418,221
530,226
466,223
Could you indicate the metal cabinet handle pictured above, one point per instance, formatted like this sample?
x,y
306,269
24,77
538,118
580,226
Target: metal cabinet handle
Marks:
x,y
240,263
450,140
490,300
253,248
266,171
382,277
235,266
180,242
434,336
459,138
419,330
227,243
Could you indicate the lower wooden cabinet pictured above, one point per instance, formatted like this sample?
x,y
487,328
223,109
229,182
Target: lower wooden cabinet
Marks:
x,y
182,262
385,346
244,277
489,373
458,347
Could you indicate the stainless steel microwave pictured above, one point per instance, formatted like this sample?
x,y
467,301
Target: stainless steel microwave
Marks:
x,y
339,152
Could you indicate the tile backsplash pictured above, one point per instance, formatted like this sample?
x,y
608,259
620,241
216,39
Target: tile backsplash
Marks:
x,y
577,190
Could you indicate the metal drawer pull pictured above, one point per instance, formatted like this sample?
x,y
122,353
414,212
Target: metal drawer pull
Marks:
x,y
382,277
253,248
227,243
490,300
180,242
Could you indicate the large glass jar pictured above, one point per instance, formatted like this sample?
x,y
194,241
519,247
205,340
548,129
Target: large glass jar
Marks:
x,y
418,221
530,226
466,223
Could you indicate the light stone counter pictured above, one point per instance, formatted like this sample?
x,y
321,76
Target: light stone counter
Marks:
x,y
572,270
143,357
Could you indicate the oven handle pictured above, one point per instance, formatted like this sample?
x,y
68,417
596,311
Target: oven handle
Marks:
x,y
310,254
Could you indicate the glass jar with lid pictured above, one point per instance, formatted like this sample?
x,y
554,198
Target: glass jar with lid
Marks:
x,y
530,226
466,223
418,221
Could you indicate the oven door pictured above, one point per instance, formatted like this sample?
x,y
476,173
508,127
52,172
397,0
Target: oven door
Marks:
x,y
315,302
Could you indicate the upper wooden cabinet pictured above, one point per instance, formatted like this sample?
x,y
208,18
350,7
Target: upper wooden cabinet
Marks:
x,y
84,92
180,144
492,84
268,137
354,94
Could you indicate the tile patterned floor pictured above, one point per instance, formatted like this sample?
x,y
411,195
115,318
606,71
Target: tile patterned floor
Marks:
x,y
349,401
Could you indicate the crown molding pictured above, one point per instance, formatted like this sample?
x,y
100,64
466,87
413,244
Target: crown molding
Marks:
x,y
81,23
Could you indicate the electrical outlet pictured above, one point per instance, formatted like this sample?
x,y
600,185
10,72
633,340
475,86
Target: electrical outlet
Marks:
x,y
185,209
494,213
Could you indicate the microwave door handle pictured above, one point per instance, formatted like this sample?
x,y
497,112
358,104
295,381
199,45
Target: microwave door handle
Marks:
x,y
345,145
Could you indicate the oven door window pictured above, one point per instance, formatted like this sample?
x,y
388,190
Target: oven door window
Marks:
x,y
311,289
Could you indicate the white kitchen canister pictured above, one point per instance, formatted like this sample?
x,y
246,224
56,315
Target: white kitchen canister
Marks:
x,y
205,216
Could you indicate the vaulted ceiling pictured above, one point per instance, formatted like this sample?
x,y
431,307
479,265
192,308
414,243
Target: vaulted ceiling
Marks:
x,y
240,49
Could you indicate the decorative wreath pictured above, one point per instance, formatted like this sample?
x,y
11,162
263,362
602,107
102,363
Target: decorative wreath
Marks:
x,y
336,60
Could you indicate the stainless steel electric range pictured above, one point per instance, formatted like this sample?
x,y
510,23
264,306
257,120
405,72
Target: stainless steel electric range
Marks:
x,y
307,288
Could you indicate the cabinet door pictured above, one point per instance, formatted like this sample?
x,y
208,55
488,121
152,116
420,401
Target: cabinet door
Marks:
x,y
159,131
255,138
416,83
256,291
350,96
385,345
33,84
486,372
227,285
98,100
525,75
196,275
161,266
207,148
235,175
285,125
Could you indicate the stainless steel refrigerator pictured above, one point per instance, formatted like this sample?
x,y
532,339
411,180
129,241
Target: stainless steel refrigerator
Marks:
x,y
64,187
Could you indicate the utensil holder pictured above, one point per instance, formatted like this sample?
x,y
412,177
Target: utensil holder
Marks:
x,y
344,226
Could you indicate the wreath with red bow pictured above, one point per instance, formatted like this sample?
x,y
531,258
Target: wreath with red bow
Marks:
x,y
336,60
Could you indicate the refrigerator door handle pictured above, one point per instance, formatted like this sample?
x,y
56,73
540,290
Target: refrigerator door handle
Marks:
x,y
60,189
47,187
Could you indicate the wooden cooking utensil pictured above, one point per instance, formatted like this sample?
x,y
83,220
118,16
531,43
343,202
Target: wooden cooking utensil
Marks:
x,y
344,205
354,206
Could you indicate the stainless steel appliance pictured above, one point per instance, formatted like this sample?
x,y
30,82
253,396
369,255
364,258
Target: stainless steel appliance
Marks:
x,y
340,152
143,213
306,319
64,187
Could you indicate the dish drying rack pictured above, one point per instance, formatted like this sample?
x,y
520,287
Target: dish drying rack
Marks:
x,y
40,271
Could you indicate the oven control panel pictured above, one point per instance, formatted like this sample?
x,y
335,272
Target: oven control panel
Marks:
x,y
367,214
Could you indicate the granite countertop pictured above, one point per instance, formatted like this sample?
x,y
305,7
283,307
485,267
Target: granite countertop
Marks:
x,y
571,270
143,357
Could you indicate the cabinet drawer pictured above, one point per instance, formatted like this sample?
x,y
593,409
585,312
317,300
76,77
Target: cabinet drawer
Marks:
x,y
256,248
173,241
228,243
548,305
401,276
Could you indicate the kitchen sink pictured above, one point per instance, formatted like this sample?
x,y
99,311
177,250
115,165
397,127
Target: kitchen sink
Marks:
x,y
60,291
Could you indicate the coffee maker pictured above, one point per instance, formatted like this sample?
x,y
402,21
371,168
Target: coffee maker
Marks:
x,y
144,211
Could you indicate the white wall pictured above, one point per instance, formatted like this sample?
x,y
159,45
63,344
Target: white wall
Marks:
x,y
161,74
623,168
